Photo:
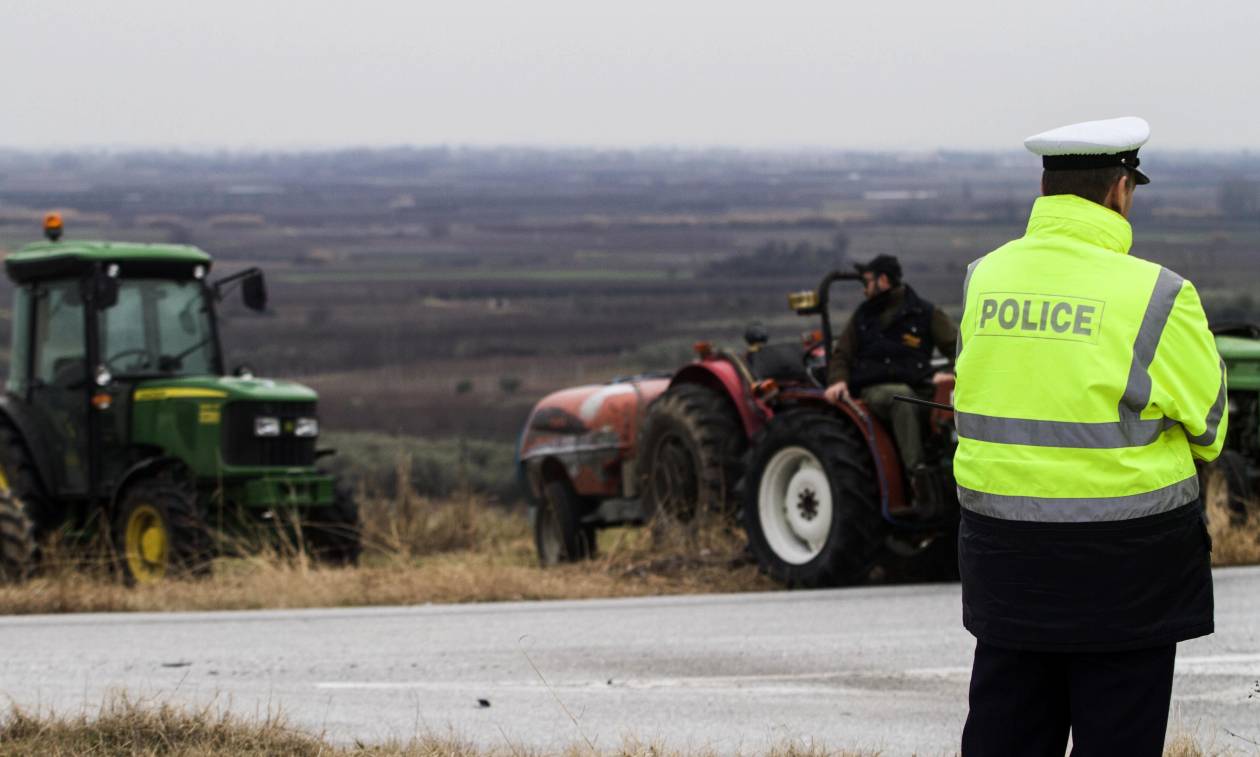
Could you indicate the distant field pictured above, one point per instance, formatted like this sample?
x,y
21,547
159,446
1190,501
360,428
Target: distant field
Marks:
x,y
439,293
421,274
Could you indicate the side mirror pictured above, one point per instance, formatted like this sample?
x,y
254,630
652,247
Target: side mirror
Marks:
x,y
254,292
253,288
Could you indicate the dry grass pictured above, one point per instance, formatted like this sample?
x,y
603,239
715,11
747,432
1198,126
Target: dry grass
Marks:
x,y
416,551
1187,743
125,727
1234,543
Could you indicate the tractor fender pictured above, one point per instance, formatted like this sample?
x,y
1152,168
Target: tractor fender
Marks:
x,y
19,417
892,495
725,379
140,469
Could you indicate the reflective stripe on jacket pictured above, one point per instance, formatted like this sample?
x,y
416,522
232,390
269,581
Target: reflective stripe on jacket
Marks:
x,y
1087,380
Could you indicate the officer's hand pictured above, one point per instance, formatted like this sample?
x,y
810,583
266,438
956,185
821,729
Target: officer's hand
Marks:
x,y
941,378
838,391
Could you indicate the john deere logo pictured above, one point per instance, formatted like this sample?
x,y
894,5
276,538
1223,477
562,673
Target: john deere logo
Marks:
x,y
288,427
1040,316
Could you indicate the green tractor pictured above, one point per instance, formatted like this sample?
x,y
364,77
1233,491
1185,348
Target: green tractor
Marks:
x,y
119,418
1227,483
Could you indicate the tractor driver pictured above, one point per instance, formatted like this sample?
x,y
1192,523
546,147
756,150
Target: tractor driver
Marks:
x,y
886,350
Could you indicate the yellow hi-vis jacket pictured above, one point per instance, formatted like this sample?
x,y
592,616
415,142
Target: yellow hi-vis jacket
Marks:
x,y
1087,380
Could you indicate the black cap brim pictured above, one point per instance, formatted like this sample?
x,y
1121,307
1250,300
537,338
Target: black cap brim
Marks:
x,y
1140,178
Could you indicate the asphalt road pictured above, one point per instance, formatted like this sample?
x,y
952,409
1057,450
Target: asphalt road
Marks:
x,y
882,667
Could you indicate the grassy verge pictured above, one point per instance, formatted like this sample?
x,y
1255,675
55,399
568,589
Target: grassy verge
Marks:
x,y
416,551
125,727
419,550
1233,544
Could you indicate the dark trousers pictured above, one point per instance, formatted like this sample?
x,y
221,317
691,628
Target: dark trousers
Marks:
x,y
1024,703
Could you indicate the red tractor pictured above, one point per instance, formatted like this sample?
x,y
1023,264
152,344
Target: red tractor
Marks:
x,y
655,445
576,461
823,496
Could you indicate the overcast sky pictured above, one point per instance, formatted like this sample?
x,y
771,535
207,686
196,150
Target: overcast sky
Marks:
x,y
836,74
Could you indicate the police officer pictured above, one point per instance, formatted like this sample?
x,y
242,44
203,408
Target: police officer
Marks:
x,y
886,350
1087,385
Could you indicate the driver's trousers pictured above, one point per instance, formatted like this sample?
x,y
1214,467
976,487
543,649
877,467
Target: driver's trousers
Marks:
x,y
903,417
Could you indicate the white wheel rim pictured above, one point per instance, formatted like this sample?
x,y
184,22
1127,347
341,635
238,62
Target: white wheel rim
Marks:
x,y
794,505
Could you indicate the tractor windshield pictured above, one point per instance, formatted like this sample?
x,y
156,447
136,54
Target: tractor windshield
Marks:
x,y
158,327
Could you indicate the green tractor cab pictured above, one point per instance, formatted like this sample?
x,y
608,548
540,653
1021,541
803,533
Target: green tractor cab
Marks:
x,y
119,415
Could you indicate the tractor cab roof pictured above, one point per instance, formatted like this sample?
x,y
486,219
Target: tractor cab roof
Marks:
x,y
51,260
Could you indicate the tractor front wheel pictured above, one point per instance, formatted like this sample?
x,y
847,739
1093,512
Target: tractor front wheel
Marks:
x,y
811,509
159,531
559,533
17,539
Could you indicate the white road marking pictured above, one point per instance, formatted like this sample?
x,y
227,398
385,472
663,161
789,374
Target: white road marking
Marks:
x,y
627,683
1221,664
1227,664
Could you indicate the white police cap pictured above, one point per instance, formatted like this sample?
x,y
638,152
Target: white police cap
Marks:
x,y
1093,144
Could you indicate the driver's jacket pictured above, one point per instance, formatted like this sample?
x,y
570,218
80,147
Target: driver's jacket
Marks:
x,y
1087,385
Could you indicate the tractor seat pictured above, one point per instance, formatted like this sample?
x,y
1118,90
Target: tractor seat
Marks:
x,y
69,372
784,361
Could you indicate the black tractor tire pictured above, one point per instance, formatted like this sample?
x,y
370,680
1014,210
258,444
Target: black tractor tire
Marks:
x,y
333,533
1225,486
23,479
17,540
804,466
690,454
160,531
560,536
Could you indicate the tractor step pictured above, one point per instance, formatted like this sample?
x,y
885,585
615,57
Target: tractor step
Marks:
x,y
621,511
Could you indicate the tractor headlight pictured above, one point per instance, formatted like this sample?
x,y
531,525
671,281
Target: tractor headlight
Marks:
x,y
266,425
306,427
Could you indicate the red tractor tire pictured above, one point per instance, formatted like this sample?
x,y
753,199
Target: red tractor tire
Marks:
x,y
810,502
690,452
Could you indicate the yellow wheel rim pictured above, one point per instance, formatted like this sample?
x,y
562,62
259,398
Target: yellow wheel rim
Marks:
x,y
4,481
145,544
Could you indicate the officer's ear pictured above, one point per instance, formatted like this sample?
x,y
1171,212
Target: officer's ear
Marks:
x,y
1120,194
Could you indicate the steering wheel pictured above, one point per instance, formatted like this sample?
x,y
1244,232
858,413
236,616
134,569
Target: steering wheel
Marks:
x,y
109,361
